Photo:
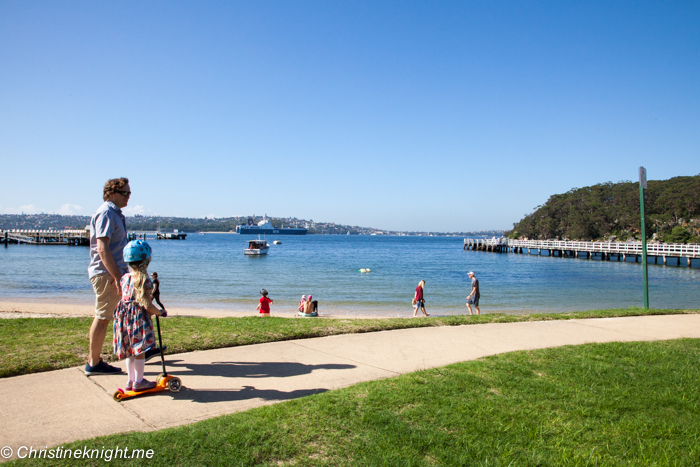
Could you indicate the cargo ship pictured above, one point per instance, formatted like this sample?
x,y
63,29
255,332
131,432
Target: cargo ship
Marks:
x,y
264,227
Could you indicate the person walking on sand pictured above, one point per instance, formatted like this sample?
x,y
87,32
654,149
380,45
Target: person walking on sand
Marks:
x,y
264,305
473,297
133,327
420,300
107,242
156,289
155,293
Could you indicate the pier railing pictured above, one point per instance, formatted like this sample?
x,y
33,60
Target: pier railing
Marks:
x,y
626,248
610,251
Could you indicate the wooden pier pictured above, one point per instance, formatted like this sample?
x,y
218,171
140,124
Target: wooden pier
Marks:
x,y
668,253
76,237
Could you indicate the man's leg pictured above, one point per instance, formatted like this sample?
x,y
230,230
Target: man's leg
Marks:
x,y
106,300
98,331
478,311
469,308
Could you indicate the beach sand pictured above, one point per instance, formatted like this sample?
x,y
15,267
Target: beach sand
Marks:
x,y
20,309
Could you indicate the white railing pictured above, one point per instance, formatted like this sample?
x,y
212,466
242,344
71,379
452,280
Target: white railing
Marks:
x,y
34,232
36,236
631,248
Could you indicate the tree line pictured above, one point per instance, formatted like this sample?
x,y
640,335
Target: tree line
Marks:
x,y
610,211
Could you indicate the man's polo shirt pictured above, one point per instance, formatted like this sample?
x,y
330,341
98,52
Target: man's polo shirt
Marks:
x,y
108,221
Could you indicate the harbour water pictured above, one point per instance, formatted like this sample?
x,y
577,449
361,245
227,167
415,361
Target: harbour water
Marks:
x,y
211,271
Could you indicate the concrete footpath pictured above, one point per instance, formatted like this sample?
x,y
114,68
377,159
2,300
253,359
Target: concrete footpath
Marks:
x,y
47,409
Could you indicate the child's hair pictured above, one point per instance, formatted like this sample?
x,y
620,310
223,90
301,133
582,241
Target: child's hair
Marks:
x,y
140,274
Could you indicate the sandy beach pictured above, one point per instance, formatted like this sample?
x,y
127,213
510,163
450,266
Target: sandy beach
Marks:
x,y
20,309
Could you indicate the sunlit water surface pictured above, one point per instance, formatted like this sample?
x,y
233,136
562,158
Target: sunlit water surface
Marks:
x,y
211,271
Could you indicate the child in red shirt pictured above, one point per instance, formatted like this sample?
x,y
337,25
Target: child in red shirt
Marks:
x,y
264,305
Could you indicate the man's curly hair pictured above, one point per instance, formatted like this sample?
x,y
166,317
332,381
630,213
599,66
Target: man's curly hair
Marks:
x,y
112,186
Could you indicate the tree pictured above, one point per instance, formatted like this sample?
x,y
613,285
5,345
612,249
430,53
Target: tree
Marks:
x,y
599,211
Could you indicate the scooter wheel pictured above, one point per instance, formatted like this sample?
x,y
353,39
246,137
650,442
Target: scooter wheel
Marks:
x,y
159,379
174,384
118,395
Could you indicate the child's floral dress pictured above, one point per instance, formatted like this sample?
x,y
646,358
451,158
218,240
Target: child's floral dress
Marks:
x,y
133,327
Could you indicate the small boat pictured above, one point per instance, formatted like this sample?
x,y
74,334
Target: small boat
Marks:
x,y
276,242
257,247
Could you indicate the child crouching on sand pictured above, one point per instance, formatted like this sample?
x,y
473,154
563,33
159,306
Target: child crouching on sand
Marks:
x,y
264,305
133,328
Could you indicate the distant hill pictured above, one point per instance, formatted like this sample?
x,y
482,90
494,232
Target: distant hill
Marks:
x,y
611,211
227,224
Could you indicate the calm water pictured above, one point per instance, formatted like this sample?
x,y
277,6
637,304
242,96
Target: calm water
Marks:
x,y
210,271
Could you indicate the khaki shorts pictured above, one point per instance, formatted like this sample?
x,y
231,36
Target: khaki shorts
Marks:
x,y
106,296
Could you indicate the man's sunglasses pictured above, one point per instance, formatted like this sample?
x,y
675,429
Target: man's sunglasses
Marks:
x,y
124,193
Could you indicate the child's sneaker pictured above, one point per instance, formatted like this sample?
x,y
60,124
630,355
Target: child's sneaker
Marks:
x,y
143,385
129,385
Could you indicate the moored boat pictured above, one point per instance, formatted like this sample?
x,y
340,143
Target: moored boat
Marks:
x,y
257,247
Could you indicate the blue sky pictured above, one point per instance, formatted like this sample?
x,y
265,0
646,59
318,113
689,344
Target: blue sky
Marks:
x,y
442,116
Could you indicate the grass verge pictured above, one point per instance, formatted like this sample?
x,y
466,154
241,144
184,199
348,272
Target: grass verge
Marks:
x,y
32,345
598,404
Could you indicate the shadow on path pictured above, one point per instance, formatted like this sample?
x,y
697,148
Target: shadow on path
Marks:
x,y
204,396
243,370
247,369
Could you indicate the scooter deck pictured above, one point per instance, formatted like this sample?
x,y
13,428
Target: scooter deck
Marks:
x,y
164,383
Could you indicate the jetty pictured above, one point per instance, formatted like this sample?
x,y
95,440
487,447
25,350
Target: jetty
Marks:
x,y
668,253
156,235
72,237
76,237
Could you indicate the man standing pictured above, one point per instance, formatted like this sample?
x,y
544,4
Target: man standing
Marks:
x,y
473,297
107,242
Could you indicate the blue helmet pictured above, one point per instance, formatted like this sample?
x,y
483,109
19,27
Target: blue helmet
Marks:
x,y
137,250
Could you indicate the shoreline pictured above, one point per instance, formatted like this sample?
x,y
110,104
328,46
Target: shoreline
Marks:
x,y
16,308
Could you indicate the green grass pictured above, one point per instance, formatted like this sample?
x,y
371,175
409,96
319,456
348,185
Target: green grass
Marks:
x,y
598,404
31,345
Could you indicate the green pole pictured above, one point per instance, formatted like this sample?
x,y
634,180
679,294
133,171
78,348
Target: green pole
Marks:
x,y
642,186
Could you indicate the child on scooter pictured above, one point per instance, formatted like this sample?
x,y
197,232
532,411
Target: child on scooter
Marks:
x,y
133,327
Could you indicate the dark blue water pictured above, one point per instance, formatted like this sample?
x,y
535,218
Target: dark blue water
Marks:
x,y
211,271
